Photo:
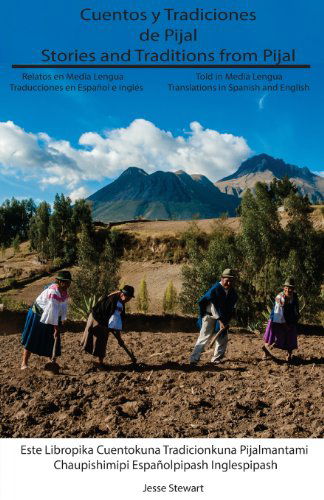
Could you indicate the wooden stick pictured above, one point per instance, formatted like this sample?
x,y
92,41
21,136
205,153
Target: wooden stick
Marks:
x,y
218,334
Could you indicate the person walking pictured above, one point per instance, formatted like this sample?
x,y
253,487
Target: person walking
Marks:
x,y
44,319
107,316
281,330
216,308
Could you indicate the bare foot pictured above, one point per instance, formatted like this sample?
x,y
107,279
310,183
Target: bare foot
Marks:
x,y
24,367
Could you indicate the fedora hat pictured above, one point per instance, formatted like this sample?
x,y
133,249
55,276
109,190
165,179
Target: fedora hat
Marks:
x,y
228,273
128,290
64,276
289,282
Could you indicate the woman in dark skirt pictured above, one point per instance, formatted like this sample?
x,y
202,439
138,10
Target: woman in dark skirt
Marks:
x,y
107,316
281,331
43,320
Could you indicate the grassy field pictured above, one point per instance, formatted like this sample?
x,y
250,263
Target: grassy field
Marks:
x,y
172,227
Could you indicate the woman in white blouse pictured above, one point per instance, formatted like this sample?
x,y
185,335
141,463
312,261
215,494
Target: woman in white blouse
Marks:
x,y
43,320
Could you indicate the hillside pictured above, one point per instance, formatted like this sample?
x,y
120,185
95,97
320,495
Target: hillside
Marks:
x,y
151,254
264,168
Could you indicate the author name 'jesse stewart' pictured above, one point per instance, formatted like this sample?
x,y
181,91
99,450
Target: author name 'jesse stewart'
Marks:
x,y
173,488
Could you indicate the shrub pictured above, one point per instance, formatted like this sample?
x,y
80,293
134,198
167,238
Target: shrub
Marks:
x,y
16,244
170,299
142,300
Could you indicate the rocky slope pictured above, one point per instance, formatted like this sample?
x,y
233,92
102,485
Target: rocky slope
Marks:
x,y
264,168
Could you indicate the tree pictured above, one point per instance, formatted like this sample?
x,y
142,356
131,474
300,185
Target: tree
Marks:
x,y
61,234
15,217
304,248
170,299
96,276
87,254
261,231
143,297
38,231
204,270
54,234
193,239
81,215
108,269
281,188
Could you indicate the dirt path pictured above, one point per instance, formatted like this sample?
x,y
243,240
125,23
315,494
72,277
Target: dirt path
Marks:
x,y
243,397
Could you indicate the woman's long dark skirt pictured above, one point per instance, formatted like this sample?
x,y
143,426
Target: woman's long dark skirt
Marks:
x,y
281,335
38,338
95,338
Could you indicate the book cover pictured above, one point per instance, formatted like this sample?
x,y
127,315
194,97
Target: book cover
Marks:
x,y
160,117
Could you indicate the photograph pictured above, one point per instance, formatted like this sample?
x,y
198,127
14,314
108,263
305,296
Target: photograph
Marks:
x,y
161,220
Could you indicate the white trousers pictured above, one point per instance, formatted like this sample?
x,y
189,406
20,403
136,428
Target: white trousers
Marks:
x,y
205,335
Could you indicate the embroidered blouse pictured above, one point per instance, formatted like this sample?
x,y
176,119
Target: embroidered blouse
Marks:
x,y
53,303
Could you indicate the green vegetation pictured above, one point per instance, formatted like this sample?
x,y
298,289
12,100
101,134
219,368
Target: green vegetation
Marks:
x,y
96,275
264,254
11,304
16,244
280,189
15,217
170,299
53,234
142,299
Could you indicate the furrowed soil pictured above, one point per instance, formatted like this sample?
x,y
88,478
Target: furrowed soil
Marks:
x,y
242,397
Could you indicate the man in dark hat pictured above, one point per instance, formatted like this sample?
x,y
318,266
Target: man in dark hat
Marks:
x,y
107,316
216,308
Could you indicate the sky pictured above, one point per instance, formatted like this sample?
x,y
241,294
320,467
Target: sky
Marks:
x,y
77,142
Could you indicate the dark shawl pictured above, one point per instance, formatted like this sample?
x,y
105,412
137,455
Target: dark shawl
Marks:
x,y
105,308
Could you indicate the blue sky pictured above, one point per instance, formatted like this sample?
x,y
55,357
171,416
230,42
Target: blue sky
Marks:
x,y
75,142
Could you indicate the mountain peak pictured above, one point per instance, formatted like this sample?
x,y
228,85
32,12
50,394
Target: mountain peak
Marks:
x,y
133,171
264,168
263,162
160,195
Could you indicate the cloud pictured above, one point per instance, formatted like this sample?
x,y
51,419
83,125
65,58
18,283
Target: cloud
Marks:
x,y
106,155
261,101
79,193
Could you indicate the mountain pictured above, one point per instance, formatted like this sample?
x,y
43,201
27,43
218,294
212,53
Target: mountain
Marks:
x,y
161,195
263,168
